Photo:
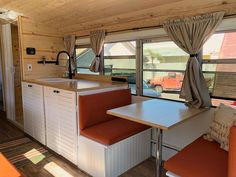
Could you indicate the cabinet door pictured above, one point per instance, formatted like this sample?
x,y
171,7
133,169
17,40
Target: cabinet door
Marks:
x,y
28,102
68,125
33,107
61,122
38,114
52,119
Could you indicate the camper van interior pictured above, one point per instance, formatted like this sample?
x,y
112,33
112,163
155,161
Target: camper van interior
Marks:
x,y
108,88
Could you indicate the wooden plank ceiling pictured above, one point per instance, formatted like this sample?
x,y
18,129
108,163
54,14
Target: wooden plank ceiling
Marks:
x,y
81,16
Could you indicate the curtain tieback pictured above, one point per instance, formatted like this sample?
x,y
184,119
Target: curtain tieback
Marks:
x,y
98,56
194,55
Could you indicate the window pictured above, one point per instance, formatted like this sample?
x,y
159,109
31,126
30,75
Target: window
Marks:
x,y
219,67
120,60
84,58
164,64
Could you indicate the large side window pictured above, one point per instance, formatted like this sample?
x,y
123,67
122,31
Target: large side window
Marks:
x,y
120,60
163,70
219,67
84,58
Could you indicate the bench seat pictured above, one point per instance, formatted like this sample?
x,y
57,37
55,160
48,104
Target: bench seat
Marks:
x,y
108,146
113,131
189,161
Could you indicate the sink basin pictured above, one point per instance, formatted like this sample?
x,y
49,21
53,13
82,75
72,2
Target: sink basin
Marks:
x,y
55,80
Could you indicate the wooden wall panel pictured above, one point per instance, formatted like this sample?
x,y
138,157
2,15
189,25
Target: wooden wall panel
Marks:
x,y
17,75
41,71
47,42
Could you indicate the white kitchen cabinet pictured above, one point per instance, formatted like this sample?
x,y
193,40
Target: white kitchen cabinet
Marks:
x,y
61,122
33,111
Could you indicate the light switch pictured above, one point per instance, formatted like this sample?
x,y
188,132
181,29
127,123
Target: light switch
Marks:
x,y
29,67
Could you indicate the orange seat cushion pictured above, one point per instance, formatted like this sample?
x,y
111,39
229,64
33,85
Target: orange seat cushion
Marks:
x,y
199,159
93,107
232,153
113,131
7,169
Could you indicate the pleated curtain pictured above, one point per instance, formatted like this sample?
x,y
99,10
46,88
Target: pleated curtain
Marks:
x,y
69,43
190,34
97,39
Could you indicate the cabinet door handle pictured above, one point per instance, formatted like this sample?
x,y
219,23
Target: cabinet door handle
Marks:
x,y
56,91
30,85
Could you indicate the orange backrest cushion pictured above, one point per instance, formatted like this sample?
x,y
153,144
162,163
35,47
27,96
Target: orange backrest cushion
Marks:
x,y
92,108
7,169
232,153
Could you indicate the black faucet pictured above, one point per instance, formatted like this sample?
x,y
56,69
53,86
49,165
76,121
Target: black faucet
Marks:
x,y
57,62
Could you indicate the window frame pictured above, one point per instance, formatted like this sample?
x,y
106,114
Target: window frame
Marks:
x,y
218,61
77,47
155,40
86,46
136,58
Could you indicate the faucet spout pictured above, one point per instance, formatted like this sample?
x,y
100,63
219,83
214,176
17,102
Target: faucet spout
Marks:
x,y
57,62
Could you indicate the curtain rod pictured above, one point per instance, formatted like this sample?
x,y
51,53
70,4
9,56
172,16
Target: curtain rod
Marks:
x,y
147,27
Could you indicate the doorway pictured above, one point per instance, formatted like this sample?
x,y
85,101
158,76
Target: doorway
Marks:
x,y
1,86
11,76
17,75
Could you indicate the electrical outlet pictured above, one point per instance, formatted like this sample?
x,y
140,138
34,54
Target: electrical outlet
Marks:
x,y
29,67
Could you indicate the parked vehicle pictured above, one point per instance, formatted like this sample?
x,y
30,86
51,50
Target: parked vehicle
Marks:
x,y
171,82
147,90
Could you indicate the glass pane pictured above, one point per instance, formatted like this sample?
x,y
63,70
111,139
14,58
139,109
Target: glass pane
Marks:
x,y
84,58
216,102
131,74
164,55
121,63
219,67
85,71
210,80
120,48
222,78
225,85
220,46
120,60
162,84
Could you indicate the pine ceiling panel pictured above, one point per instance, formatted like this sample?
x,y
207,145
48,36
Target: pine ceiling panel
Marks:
x,y
82,16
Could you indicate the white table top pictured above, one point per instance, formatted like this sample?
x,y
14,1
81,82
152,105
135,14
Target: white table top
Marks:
x,y
161,114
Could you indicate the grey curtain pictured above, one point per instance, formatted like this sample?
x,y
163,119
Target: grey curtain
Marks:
x,y
69,43
190,34
97,41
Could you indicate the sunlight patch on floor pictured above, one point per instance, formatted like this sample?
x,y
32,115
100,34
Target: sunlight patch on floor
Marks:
x,y
34,156
56,170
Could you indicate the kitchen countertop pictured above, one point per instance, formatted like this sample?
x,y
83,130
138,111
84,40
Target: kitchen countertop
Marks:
x,y
76,85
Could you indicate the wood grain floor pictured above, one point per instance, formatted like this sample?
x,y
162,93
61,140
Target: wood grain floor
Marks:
x,y
9,132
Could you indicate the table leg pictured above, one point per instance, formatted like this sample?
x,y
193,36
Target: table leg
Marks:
x,y
159,135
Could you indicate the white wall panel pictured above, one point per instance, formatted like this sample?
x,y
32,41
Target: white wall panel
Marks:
x,y
111,161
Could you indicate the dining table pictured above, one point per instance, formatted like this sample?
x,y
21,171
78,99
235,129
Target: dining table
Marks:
x,y
161,115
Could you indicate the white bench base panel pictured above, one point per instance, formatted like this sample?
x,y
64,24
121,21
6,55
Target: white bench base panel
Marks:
x,y
111,161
